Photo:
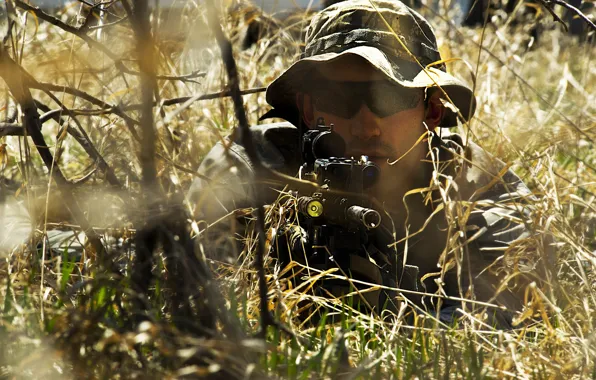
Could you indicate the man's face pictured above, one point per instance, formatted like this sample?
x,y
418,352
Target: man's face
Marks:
x,y
394,141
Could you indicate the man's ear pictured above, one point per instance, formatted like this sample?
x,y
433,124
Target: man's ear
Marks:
x,y
434,110
304,105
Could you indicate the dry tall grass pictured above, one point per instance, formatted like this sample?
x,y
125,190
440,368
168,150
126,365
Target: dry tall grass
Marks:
x,y
63,316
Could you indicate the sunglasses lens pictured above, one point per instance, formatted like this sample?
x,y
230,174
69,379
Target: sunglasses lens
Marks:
x,y
333,99
386,99
344,99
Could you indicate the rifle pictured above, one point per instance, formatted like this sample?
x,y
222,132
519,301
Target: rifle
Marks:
x,y
338,227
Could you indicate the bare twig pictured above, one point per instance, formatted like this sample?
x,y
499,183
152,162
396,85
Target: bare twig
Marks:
x,y
148,235
549,7
97,27
49,87
107,108
84,178
104,4
82,138
68,28
11,129
184,78
213,95
10,17
548,4
11,73
246,139
163,103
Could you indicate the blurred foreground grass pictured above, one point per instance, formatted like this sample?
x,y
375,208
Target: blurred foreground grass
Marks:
x,y
62,317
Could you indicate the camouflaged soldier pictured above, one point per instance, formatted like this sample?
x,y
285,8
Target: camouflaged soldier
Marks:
x,y
374,72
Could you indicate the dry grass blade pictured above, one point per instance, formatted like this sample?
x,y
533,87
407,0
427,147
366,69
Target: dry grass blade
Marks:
x,y
185,315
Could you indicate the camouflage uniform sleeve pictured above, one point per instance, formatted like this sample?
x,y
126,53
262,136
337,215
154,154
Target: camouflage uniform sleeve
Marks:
x,y
223,183
226,183
505,252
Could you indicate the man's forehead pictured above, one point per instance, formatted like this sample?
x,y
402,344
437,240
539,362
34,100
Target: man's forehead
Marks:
x,y
350,68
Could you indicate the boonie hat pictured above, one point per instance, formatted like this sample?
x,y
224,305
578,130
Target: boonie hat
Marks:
x,y
371,29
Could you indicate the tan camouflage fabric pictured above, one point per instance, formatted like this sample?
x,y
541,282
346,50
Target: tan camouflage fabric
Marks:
x,y
498,261
394,38
494,195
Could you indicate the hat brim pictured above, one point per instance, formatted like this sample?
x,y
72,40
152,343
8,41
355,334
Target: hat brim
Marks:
x,y
281,93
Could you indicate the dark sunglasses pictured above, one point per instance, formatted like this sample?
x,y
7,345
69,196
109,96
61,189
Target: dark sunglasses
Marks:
x,y
344,99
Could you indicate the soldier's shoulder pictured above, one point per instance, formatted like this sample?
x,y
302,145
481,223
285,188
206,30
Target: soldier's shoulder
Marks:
x,y
269,140
281,133
277,145
483,174
225,172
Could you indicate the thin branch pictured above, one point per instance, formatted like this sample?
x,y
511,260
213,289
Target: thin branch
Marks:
x,y
117,110
184,78
82,138
548,5
12,75
94,13
130,122
10,17
96,27
69,29
107,108
246,139
187,77
84,178
213,95
94,6
11,129
193,75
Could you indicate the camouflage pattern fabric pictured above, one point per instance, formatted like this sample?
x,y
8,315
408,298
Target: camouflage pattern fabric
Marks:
x,y
392,37
484,253
493,195
340,29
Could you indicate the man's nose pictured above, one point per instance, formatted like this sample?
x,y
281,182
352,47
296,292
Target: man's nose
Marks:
x,y
366,124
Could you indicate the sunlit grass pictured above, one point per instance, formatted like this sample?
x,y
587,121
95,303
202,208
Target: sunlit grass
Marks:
x,y
536,111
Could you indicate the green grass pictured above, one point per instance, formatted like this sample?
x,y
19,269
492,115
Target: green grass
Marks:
x,y
78,321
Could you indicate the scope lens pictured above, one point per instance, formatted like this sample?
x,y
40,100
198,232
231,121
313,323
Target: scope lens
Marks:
x,y
328,144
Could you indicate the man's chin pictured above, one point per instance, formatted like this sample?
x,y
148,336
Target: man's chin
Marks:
x,y
382,196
